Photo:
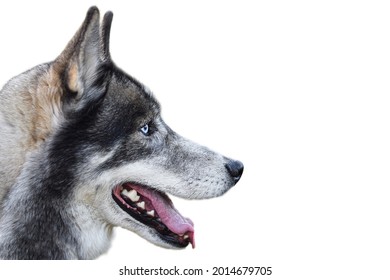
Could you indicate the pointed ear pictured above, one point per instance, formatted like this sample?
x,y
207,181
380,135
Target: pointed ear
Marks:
x,y
105,37
83,63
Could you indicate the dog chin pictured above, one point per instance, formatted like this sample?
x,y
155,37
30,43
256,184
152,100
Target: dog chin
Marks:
x,y
155,239
147,233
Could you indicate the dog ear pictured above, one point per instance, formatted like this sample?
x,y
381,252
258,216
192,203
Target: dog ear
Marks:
x,y
84,63
105,37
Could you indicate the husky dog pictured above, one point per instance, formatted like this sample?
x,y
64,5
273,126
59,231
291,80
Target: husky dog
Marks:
x,y
84,149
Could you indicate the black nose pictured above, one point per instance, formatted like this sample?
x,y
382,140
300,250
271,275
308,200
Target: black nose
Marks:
x,y
235,169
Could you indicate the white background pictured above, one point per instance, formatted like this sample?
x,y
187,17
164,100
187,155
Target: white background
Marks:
x,y
297,90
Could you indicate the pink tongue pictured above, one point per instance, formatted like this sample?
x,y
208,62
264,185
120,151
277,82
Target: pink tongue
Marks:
x,y
168,213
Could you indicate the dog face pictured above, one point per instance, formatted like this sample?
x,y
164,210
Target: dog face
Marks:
x,y
116,156
143,160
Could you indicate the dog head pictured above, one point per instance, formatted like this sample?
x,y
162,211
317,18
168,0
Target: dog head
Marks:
x,y
121,158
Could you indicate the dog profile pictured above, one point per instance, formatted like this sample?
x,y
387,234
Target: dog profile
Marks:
x,y
84,149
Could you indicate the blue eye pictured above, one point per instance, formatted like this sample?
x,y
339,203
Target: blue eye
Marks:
x,y
145,129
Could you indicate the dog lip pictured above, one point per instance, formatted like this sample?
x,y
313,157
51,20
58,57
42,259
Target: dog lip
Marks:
x,y
170,225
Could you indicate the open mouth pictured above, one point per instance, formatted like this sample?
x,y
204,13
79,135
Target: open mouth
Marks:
x,y
154,209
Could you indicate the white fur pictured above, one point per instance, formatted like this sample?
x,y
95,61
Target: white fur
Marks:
x,y
94,234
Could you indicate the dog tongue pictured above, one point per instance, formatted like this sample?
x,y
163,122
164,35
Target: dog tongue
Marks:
x,y
168,213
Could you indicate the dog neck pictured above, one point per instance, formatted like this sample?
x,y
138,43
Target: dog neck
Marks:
x,y
40,231
93,234
38,223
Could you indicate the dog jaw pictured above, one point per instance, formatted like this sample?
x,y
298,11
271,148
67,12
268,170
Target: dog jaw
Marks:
x,y
207,180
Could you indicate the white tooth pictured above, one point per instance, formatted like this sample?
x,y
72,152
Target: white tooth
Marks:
x,y
185,236
150,213
141,204
124,192
133,195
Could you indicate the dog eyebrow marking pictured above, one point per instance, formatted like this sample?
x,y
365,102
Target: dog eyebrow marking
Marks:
x,y
101,158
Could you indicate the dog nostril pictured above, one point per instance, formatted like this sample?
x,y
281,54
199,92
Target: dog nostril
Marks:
x,y
235,169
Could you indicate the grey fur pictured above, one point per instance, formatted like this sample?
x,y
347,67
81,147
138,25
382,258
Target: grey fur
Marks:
x,y
70,133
